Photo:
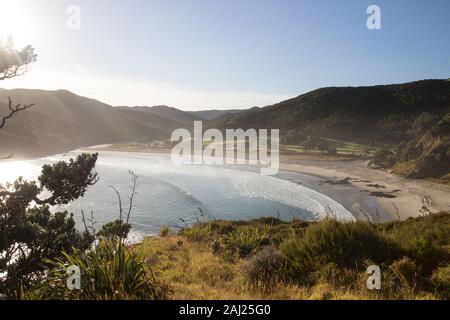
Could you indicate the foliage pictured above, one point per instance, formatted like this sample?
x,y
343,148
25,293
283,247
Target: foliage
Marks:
x,y
423,123
370,115
114,229
425,154
29,231
197,233
265,268
110,271
441,281
12,61
164,232
407,272
329,261
244,241
383,158
345,244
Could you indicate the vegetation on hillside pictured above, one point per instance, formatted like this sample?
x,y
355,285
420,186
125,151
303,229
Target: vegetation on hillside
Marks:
x,y
404,126
270,259
426,154
369,115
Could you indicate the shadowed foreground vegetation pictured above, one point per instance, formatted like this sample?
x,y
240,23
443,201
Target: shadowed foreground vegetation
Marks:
x,y
267,259
270,259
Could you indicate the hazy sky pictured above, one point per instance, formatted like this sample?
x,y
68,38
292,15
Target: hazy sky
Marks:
x,y
194,54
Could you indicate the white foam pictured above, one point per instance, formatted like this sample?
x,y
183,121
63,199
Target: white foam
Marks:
x,y
248,184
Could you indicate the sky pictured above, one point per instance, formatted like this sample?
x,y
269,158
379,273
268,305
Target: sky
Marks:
x,y
211,54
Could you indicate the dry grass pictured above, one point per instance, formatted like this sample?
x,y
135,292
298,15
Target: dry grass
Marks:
x,y
298,260
193,272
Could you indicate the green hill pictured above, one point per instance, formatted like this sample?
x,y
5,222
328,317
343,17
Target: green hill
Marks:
x,y
370,115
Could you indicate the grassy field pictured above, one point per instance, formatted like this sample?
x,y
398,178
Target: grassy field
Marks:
x,y
343,148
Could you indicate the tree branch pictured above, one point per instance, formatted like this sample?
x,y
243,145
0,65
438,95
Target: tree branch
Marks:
x,y
13,110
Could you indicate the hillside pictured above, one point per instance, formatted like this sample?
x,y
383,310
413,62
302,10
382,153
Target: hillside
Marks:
x,y
61,121
426,154
370,115
214,114
168,112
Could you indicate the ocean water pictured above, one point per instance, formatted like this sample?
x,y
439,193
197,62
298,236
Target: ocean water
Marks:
x,y
169,194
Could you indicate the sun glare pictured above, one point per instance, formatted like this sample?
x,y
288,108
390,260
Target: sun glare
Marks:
x,y
9,171
14,21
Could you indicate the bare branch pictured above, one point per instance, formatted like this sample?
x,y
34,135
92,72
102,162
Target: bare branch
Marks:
x,y
13,109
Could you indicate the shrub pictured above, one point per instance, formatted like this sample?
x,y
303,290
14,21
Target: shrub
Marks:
x,y
110,271
282,232
335,276
440,280
199,232
31,229
383,158
347,245
427,254
114,229
164,232
265,269
407,272
243,241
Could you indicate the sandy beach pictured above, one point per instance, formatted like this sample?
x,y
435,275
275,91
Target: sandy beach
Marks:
x,y
402,198
399,197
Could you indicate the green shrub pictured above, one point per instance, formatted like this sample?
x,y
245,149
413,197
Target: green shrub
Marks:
x,y
164,232
425,240
244,241
199,232
110,271
114,229
347,245
284,231
428,254
440,280
407,273
265,269
383,158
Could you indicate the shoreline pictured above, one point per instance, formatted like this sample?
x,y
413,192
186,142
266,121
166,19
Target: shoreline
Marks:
x,y
382,196
396,196
402,198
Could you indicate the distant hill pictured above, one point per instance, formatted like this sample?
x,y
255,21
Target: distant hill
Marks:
x,y
169,113
214,114
61,121
384,114
375,114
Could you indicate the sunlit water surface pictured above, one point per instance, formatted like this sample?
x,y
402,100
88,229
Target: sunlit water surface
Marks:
x,y
168,193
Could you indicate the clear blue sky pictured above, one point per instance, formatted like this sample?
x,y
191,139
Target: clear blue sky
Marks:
x,y
203,54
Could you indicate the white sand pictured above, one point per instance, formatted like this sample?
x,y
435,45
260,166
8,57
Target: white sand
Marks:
x,y
409,199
